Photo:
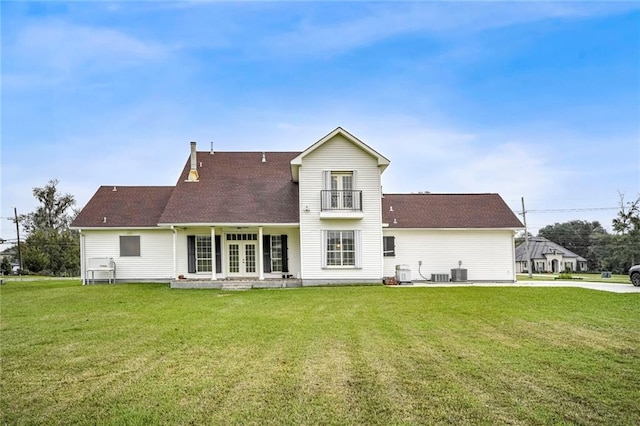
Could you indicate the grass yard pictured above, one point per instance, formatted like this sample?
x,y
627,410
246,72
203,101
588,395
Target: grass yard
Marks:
x,y
595,278
146,354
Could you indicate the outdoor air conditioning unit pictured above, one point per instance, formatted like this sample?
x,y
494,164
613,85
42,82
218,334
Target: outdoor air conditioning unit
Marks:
x,y
403,273
440,278
458,274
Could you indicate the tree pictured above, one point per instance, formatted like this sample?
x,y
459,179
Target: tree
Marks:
x,y
577,236
53,211
51,247
627,226
5,266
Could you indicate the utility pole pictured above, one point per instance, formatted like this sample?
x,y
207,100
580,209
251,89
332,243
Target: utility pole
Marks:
x,y
15,213
526,238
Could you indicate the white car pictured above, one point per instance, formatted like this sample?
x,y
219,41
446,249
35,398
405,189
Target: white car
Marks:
x,y
634,275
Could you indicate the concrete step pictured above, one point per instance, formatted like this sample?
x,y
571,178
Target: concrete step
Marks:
x,y
237,286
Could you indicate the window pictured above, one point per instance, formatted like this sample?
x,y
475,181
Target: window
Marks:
x,y
242,237
199,254
341,248
203,254
389,246
276,253
129,245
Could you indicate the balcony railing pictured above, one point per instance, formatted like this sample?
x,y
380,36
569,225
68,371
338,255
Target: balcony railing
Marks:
x,y
341,200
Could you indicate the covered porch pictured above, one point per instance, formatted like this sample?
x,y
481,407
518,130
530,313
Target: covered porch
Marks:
x,y
230,252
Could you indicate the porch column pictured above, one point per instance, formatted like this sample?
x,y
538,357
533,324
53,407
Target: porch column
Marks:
x,y
260,255
213,253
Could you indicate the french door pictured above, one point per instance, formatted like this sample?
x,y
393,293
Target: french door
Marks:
x,y
242,255
342,190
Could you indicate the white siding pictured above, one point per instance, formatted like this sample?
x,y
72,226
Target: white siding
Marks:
x,y
154,262
338,154
486,254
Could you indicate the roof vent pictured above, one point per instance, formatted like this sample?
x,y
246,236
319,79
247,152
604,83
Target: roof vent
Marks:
x,y
114,189
395,221
390,208
264,158
104,219
211,152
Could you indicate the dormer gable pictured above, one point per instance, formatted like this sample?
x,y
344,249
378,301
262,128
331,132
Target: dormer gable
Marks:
x,y
382,161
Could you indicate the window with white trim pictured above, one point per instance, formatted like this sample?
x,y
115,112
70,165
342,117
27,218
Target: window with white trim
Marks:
x,y
203,253
341,249
276,253
129,245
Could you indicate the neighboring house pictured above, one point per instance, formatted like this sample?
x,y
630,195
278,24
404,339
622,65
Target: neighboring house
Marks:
x,y
547,256
318,215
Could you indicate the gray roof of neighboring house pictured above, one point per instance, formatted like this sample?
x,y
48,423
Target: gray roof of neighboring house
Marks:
x,y
539,246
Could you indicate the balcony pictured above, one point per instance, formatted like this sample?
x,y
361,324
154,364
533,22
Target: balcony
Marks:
x,y
341,204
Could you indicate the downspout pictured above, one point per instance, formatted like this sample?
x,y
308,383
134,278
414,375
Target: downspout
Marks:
x,y
513,256
260,255
173,229
82,258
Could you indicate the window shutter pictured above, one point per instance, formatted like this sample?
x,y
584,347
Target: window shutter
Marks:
x,y
327,179
323,248
191,254
218,254
357,236
266,253
354,180
285,254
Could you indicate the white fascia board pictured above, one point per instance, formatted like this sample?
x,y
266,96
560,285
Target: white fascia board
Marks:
x,y
450,229
113,228
231,225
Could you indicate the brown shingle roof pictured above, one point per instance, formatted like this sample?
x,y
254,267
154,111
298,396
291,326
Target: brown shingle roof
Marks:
x,y
236,187
447,211
128,206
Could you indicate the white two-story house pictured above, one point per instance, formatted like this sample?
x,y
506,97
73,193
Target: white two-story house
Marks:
x,y
302,218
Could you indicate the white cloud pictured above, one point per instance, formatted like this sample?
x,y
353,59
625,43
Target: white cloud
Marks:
x,y
48,51
334,32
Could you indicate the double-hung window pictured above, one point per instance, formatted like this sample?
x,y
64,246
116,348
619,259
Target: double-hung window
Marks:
x,y
276,253
341,249
203,253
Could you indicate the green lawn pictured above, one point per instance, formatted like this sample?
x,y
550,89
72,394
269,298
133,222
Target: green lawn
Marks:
x,y
146,354
596,278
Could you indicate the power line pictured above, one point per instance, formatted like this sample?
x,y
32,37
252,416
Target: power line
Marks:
x,y
586,209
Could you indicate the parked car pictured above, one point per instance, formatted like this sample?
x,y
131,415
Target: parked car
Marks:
x,y
634,275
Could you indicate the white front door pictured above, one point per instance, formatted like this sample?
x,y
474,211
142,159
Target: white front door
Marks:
x,y
242,257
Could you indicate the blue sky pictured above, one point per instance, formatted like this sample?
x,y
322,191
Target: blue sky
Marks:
x,y
528,99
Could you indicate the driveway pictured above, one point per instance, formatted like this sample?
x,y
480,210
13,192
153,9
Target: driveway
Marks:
x,y
614,288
